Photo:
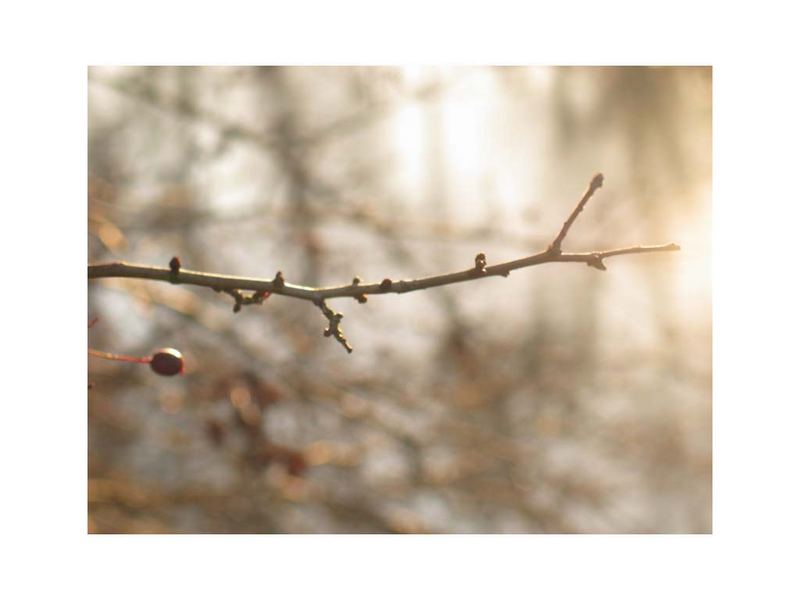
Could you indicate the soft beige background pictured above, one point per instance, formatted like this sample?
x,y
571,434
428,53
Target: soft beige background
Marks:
x,y
562,399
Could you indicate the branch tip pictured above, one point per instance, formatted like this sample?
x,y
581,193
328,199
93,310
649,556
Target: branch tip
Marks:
x,y
594,185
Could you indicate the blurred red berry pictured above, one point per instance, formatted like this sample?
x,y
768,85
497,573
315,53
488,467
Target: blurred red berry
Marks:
x,y
167,361
296,465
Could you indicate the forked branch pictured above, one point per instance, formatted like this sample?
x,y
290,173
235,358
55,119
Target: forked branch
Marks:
x,y
263,288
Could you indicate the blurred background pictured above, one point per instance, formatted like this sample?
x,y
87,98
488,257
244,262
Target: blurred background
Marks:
x,y
560,399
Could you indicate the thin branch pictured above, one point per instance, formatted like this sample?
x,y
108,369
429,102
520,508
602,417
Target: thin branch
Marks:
x,y
262,288
594,185
334,329
229,283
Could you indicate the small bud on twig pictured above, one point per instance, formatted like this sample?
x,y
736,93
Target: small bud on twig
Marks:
x,y
259,297
174,268
386,285
596,261
279,282
360,297
480,263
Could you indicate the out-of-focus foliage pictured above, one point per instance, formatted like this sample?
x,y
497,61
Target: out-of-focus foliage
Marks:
x,y
561,399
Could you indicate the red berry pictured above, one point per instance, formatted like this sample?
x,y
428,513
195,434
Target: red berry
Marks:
x,y
167,361
296,465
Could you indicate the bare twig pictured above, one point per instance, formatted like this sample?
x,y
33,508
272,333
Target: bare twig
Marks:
x,y
594,185
262,288
242,300
334,329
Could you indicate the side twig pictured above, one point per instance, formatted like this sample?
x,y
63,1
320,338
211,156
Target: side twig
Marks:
x,y
263,288
334,328
594,185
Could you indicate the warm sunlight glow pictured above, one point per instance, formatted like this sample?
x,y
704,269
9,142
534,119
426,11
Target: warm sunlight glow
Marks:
x,y
409,139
